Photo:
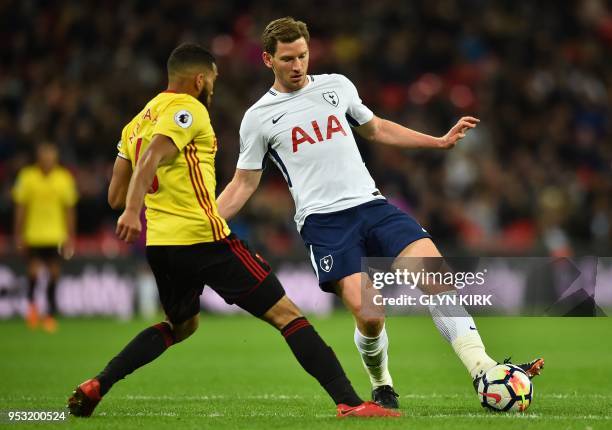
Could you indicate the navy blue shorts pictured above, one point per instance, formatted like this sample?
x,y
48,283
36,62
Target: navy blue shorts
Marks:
x,y
337,241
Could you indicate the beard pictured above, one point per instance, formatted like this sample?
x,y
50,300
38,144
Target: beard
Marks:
x,y
205,97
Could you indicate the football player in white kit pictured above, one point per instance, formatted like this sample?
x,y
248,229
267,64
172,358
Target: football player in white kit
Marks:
x,y
303,124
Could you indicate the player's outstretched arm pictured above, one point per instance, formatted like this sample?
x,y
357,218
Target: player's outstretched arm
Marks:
x,y
160,150
237,192
390,133
117,190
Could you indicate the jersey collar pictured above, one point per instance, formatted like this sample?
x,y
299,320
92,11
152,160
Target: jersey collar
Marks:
x,y
277,93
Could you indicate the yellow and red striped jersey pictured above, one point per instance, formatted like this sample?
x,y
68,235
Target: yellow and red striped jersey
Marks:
x,y
181,206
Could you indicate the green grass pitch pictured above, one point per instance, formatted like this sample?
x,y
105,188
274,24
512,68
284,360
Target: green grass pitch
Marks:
x,y
238,373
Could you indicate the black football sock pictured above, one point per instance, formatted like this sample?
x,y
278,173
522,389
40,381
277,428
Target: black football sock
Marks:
x,y
51,300
31,287
319,360
144,348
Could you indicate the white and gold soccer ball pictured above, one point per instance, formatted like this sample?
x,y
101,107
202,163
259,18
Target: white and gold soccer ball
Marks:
x,y
505,388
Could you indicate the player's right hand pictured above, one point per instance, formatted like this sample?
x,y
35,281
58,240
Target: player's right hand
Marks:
x,y
20,245
128,226
458,131
66,249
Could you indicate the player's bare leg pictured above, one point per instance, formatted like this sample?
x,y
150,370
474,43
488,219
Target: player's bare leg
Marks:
x,y
144,348
319,360
282,313
370,338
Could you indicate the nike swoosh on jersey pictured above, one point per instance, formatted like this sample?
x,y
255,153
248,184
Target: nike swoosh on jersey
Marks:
x,y
275,120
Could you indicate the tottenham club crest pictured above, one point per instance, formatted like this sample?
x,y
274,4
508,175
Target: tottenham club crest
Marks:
x,y
326,263
183,118
332,98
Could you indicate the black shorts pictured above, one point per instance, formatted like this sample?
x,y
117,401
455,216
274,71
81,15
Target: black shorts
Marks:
x,y
228,266
45,253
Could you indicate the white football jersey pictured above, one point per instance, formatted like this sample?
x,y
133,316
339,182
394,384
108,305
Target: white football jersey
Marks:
x,y
307,134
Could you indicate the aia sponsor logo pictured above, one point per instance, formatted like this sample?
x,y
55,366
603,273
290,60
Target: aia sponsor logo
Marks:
x,y
299,135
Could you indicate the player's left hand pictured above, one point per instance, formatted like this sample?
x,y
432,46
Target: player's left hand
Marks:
x,y
20,246
66,249
458,131
128,226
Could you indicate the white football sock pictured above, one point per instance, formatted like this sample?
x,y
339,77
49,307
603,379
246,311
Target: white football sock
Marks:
x,y
457,326
373,352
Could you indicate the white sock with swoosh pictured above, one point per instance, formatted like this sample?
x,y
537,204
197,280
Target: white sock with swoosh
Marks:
x,y
457,326
373,352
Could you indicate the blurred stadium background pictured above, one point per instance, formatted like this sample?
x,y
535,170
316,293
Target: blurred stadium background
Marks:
x,y
533,179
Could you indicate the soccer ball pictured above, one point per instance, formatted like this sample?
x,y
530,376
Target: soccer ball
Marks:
x,y
504,388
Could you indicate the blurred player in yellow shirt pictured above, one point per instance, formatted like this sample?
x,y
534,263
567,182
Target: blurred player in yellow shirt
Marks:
x,y
44,195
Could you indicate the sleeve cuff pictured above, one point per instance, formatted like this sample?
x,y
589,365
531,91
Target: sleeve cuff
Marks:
x,y
249,165
364,117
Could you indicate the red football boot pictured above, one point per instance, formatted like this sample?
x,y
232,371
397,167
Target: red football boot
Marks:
x,y
85,398
366,409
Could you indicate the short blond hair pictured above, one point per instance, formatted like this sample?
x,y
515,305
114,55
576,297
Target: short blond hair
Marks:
x,y
284,30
